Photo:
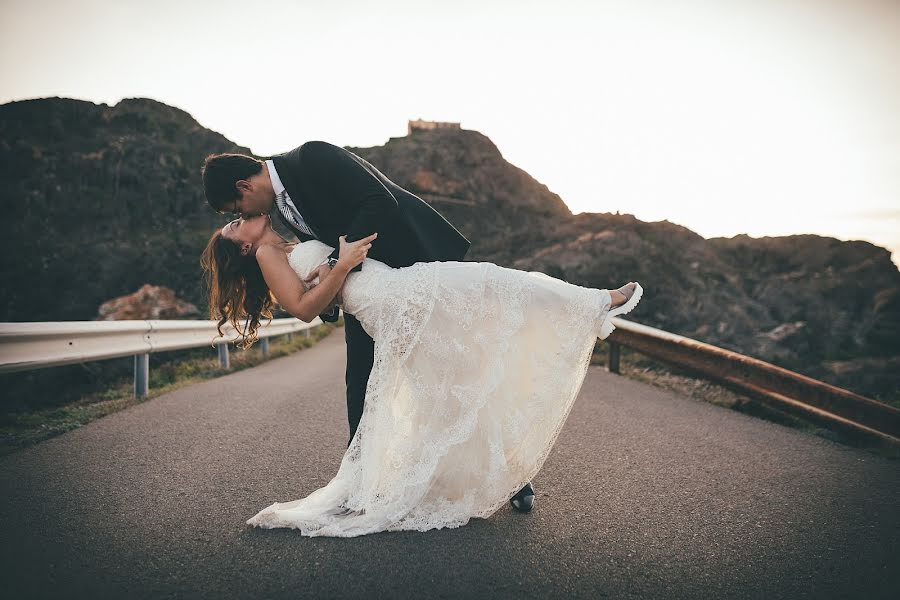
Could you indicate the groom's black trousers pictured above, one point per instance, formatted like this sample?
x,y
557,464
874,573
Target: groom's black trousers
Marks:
x,y
360,356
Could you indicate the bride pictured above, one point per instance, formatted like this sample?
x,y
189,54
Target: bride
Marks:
x,y
476,369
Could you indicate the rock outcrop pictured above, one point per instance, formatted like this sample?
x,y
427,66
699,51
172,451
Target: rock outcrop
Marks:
x,y
149,302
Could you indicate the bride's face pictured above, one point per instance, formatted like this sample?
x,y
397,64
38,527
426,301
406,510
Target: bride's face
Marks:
x,y
247,232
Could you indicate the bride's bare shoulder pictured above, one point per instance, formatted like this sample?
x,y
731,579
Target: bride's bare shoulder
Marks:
x,y
270,254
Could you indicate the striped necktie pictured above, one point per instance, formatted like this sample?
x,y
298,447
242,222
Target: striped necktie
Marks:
x,y
281,201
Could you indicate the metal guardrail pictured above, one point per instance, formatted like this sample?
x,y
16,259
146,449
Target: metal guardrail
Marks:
x,y
27,346
861,418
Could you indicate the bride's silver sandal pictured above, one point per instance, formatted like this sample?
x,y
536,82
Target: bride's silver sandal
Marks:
x,y
630,301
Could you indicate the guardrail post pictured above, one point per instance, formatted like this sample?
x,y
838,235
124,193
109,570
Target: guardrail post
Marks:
x,y
224,361
613,357
264,347
141,375
290,337
306,332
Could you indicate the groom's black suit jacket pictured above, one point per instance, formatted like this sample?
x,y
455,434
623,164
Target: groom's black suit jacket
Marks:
x,y
340,193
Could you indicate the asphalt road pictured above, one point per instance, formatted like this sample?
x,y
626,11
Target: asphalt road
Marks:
x,y
645,495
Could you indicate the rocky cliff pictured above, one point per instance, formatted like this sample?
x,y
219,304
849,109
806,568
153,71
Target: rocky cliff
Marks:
x,y
99,200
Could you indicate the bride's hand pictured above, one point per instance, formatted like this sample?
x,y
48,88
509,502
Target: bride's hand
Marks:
x,y
322,272
353,253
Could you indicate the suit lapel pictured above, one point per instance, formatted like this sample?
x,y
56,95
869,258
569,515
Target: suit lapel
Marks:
x,y
295,191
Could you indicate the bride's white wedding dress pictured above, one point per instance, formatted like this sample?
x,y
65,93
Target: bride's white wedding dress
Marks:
x,y
476,369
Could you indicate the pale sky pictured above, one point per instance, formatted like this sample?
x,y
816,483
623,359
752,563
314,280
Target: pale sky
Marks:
x,y
764,117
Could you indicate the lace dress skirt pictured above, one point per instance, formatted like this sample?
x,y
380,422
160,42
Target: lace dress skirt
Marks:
x,y
476,369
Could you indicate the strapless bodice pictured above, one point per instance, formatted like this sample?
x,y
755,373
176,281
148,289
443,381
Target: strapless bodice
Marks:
x,y
308,255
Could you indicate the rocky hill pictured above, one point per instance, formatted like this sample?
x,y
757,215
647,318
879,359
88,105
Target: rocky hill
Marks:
x,y
103,199
100,200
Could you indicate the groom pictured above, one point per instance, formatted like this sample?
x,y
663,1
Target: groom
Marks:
x,y
322,191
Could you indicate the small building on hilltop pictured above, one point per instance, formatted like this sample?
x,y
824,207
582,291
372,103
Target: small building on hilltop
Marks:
x,y
420,124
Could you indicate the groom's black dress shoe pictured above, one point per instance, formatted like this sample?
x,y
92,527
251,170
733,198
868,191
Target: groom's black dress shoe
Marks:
x,y
523,501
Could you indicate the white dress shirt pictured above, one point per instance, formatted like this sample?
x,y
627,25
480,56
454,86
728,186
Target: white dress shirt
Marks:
x,y
278,187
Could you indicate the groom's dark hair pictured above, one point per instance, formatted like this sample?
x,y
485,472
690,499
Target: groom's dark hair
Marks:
x,y
220,174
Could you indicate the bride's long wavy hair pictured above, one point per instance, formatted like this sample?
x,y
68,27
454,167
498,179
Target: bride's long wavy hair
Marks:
x,y
237,289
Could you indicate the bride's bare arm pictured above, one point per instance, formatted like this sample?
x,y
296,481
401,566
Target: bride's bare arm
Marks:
x,y
288,289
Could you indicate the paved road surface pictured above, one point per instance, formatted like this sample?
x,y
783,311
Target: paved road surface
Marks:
x,y
646,495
